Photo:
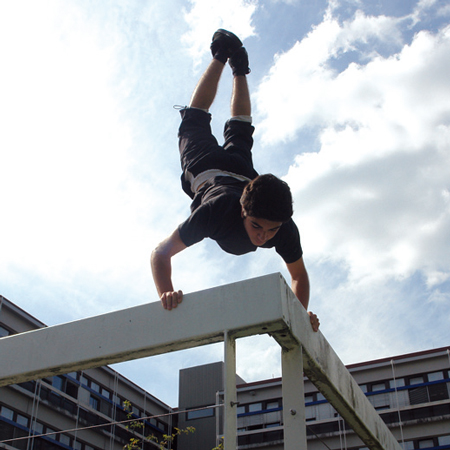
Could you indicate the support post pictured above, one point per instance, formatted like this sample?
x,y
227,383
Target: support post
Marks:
x,y
293,399
230,396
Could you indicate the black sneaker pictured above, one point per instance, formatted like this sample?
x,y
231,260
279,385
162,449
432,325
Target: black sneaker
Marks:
x,y
224,44
239,62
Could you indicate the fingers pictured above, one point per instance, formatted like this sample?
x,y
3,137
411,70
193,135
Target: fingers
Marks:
x,y
314,321
171,300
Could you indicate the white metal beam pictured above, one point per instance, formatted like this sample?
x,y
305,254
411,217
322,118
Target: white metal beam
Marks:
x,y
293,388
230,395
327,372
260,305
244,309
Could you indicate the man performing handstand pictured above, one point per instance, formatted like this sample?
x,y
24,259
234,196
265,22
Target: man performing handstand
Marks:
x,y
231,203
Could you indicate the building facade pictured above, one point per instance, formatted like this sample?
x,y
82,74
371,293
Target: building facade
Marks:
x,y
87,410
410,392
79,410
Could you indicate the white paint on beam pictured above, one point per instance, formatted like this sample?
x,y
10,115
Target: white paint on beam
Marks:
x,y
294,423
230,395
260,305
144,330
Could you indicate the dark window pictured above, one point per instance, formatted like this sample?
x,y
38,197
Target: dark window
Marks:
x,y
438,392
418,395
93,401
200,413
106,408
72,389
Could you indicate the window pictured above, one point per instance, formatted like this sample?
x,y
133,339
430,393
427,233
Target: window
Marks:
x,y
51,433
38,428
255,407
426,443
438,391
444,440
95,387
272,405
93,402
310,413
105,393
198,414
71,389
399,382
58,383
415,380
418,395
22,420
435,376
363,387
240,410
7,413
409,445
378,387
64,439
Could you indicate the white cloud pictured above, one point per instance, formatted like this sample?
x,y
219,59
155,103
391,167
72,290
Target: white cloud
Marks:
x,y
207,15
258,358
91,173
303,90
76,212
374,198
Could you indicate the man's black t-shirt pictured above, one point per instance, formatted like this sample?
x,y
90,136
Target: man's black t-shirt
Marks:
x,y
216,214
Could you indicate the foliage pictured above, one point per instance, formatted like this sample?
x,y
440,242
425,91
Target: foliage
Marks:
x,y
166,439
220,446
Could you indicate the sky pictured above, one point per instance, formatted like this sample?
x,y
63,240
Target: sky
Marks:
x,y
351,105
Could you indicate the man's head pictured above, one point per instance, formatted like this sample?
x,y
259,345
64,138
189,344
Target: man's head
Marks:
x,y
267,197
266,205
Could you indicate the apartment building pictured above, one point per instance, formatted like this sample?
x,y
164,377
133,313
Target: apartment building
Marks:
x,y
410,392
79,410
86,410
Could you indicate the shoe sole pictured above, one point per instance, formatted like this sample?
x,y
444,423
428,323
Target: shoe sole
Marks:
x,y
235,42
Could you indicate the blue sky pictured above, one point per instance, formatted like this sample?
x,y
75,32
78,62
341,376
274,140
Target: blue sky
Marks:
x,y
351,104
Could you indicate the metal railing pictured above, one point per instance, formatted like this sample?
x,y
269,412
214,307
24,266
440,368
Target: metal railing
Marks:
x,y
257,306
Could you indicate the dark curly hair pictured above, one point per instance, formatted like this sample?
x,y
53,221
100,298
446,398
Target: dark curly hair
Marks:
x,y
267,197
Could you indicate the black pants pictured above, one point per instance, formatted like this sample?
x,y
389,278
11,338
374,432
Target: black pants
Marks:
x,y
200,151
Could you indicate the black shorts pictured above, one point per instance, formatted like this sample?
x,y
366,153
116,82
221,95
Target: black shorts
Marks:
x,y
200,151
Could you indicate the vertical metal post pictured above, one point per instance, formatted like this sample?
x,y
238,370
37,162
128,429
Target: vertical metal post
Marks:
x,y
230,397
293,399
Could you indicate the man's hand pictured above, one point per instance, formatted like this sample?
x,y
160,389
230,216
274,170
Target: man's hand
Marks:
x,y
314,321
160,262
300,286
171,299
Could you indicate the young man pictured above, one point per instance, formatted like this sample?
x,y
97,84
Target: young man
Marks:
x,y
231,203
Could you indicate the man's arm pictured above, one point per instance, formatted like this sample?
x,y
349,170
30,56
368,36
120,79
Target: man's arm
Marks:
x,y
161,265
300,287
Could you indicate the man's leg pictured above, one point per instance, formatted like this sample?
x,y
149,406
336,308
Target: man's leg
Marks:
x,y
206,89
240,98
224,44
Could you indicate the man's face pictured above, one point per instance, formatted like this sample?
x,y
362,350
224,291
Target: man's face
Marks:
x,y
260,230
